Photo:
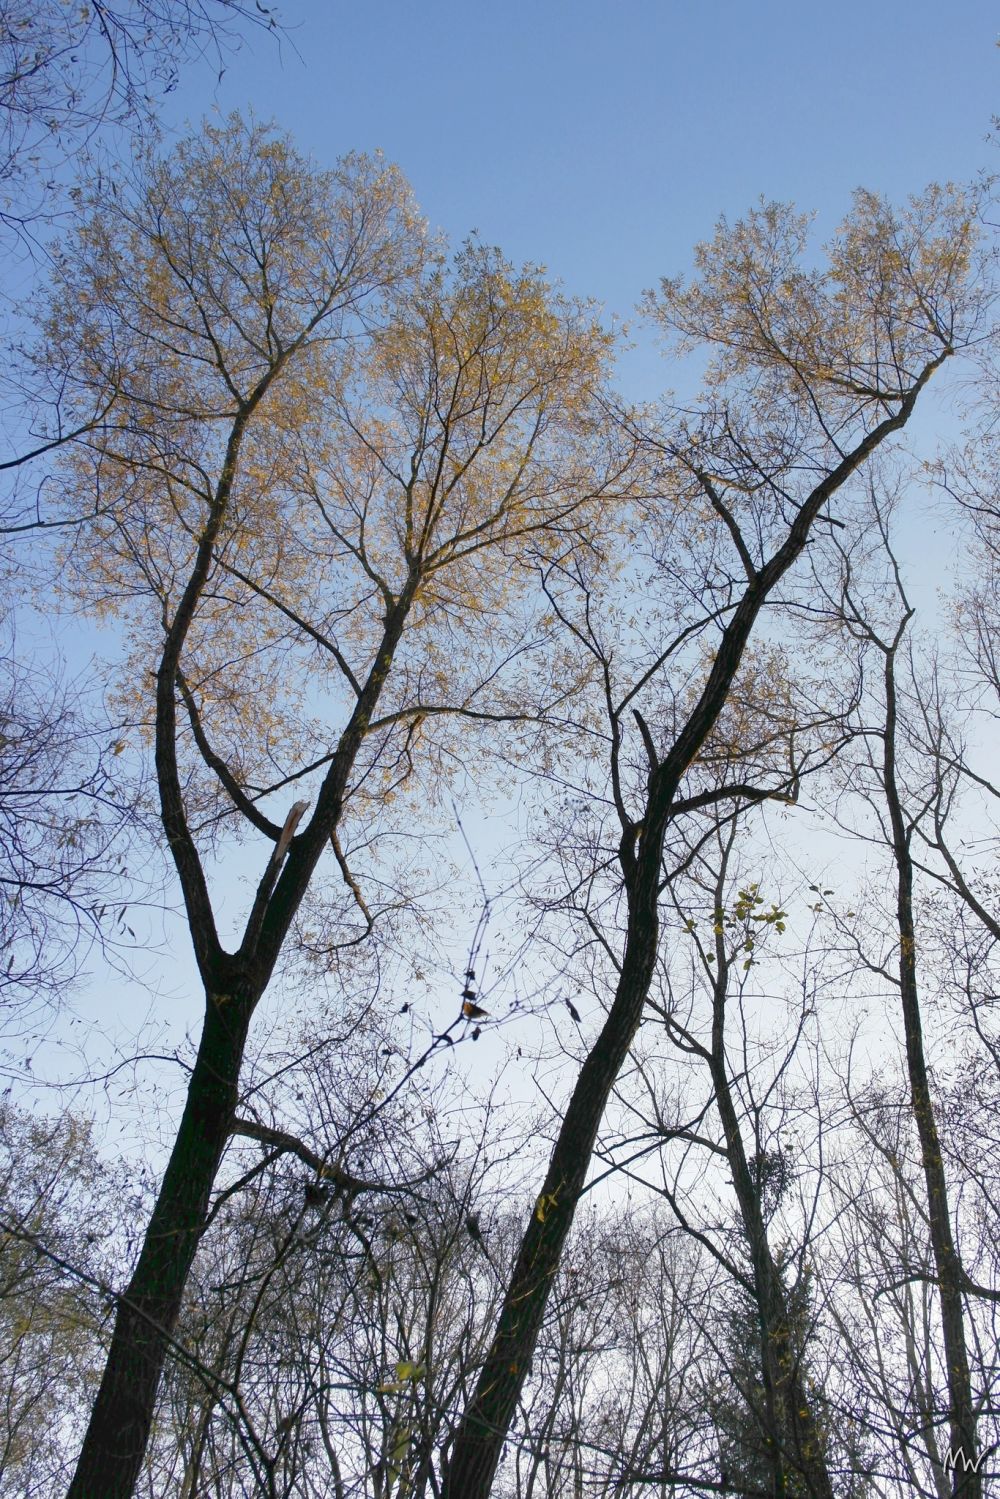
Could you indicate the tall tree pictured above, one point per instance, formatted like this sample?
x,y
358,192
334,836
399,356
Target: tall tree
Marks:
x,y
323,441
813,372
771,1429
900,823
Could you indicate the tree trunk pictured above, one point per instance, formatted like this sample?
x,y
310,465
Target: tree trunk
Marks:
x,y
476,1453
486,1420
791,1434
966,1482
121,1419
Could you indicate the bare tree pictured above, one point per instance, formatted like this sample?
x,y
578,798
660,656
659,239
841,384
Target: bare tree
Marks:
x,y
899,818
813,373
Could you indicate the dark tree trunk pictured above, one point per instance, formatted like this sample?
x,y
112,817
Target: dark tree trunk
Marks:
x,y
115,1443
478,1443
792,1437
966,1483
122,1418
489,1414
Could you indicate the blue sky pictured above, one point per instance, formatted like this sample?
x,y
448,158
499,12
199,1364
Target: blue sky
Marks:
x,y
604,137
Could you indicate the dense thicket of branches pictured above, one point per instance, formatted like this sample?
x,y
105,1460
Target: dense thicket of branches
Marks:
x,y
710,1206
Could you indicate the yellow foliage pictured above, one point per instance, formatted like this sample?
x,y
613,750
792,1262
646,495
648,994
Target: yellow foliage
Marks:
x,y
296,380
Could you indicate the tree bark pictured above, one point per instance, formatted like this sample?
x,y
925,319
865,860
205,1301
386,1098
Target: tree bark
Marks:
x,y
116,1438
790,1430
966,1483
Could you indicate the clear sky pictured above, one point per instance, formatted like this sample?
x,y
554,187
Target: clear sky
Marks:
x,y
604,137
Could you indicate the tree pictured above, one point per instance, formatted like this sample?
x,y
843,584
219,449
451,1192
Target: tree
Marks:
x,y
813,372
879,1288
71,77
323,441
747,1457
771,1429
899,826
